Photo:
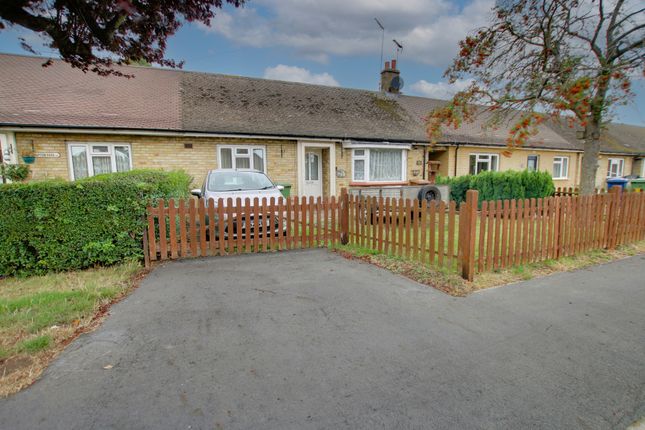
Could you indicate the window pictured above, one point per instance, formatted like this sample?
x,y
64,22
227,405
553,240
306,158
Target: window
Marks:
x,y
378,165
532,163
311,166
483,162
242,157
560,167
89,159
616,166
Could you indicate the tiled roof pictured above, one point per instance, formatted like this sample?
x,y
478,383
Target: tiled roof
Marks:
x,y
160,99
59,95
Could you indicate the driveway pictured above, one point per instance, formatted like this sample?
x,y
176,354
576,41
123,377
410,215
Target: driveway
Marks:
x,y
307,339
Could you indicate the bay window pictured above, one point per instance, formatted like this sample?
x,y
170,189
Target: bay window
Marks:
x,y
483,162
242,157
560,167
89,159
616,167
378,165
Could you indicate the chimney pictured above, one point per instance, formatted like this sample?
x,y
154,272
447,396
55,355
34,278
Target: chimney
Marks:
x,y
387,75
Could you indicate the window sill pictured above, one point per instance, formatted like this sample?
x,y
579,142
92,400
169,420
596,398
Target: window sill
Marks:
x,y
376,184
560,179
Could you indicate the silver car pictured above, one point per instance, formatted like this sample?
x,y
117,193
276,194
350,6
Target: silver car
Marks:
x,y
233,184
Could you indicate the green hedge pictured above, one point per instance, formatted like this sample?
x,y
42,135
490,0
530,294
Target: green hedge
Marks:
x,y
56,225
509,184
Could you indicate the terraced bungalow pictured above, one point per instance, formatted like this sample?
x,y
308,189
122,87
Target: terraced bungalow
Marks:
x,y
71,125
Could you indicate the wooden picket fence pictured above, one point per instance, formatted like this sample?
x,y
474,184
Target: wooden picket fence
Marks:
x,y
571,191
514,232
466,239
419,230
192,228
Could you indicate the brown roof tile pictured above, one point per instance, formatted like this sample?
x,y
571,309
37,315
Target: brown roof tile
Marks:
x,y
160,99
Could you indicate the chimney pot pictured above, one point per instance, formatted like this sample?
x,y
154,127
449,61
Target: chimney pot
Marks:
x,y
393,64
387,65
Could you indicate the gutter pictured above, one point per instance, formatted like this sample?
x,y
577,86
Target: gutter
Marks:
x,y
180,133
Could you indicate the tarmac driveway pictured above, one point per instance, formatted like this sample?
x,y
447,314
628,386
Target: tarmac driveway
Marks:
x,y
310,340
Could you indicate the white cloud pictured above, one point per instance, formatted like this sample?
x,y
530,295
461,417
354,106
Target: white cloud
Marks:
x,y
299,74
439,90
429,29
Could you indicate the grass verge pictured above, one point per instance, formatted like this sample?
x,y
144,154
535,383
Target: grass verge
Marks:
x,y
442,279
40,315
451,283
547,267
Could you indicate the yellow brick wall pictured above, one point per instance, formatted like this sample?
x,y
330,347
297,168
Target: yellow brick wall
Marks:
x,y
169,153
415,163
518,160
343,164
154,152
603,168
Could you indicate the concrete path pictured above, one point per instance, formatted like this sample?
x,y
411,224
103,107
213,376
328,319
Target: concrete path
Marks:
x,y
309,340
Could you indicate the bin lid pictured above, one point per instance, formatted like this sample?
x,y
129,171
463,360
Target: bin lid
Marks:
x,y
639,180
617,180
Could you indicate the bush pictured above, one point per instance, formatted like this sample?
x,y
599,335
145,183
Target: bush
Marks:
x,y
56,225
14,172
501,185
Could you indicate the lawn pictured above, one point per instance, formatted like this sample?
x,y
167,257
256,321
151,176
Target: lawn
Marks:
x,y
40,315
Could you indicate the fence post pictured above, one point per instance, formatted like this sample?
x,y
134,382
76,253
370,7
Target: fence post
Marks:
x,y
613,216
146,249
469,235
343,215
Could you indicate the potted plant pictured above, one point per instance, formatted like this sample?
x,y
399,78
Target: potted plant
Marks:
x,y
29,157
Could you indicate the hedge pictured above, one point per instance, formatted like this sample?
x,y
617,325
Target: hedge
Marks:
x,y
509,184
56,225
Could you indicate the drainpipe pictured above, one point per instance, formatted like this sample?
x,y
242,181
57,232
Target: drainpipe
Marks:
x,y
456,151
425,153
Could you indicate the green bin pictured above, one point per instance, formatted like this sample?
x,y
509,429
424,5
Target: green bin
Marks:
x,y
286,192
638,184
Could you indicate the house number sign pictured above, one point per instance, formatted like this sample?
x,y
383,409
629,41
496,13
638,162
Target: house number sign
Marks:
x,y
47,154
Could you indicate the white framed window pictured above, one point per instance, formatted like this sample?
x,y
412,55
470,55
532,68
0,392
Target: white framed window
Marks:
x,y
89,159
560,167
483,162
532,163
615,167
245,157
378,165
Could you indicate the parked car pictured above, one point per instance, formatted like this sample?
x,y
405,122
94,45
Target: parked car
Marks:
x,y
233,184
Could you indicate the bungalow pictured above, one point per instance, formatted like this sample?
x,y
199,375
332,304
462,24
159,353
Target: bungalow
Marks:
x,y
316,138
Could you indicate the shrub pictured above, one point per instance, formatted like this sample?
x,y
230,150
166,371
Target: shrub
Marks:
x,y
14,172
509,184
56,225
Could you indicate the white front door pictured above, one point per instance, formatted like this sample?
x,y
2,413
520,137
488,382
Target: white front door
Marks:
x,y
313,172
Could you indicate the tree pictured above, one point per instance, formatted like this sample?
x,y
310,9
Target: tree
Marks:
x,y
539,60
96,35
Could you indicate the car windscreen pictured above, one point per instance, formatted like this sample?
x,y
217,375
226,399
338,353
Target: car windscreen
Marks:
x,y
238,181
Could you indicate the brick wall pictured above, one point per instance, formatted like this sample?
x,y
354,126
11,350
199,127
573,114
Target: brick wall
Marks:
x,y
155,152
170,153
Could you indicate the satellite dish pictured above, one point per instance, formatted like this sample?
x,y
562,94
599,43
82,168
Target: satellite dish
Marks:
x,y
396,83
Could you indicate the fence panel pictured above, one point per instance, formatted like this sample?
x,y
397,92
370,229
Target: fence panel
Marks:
x,y
523,231
501,233
193,228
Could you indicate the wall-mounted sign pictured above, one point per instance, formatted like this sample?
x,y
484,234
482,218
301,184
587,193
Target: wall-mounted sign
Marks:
x,y
47,154
340,173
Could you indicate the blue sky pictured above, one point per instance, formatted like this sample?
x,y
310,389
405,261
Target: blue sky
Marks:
x,y
334,42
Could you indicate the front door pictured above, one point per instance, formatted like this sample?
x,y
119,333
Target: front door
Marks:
x,y
313,172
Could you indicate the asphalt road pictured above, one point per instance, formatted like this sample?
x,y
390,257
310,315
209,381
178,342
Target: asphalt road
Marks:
x,y
309,340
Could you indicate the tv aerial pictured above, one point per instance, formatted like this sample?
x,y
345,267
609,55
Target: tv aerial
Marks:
x,y
382,27
399,48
